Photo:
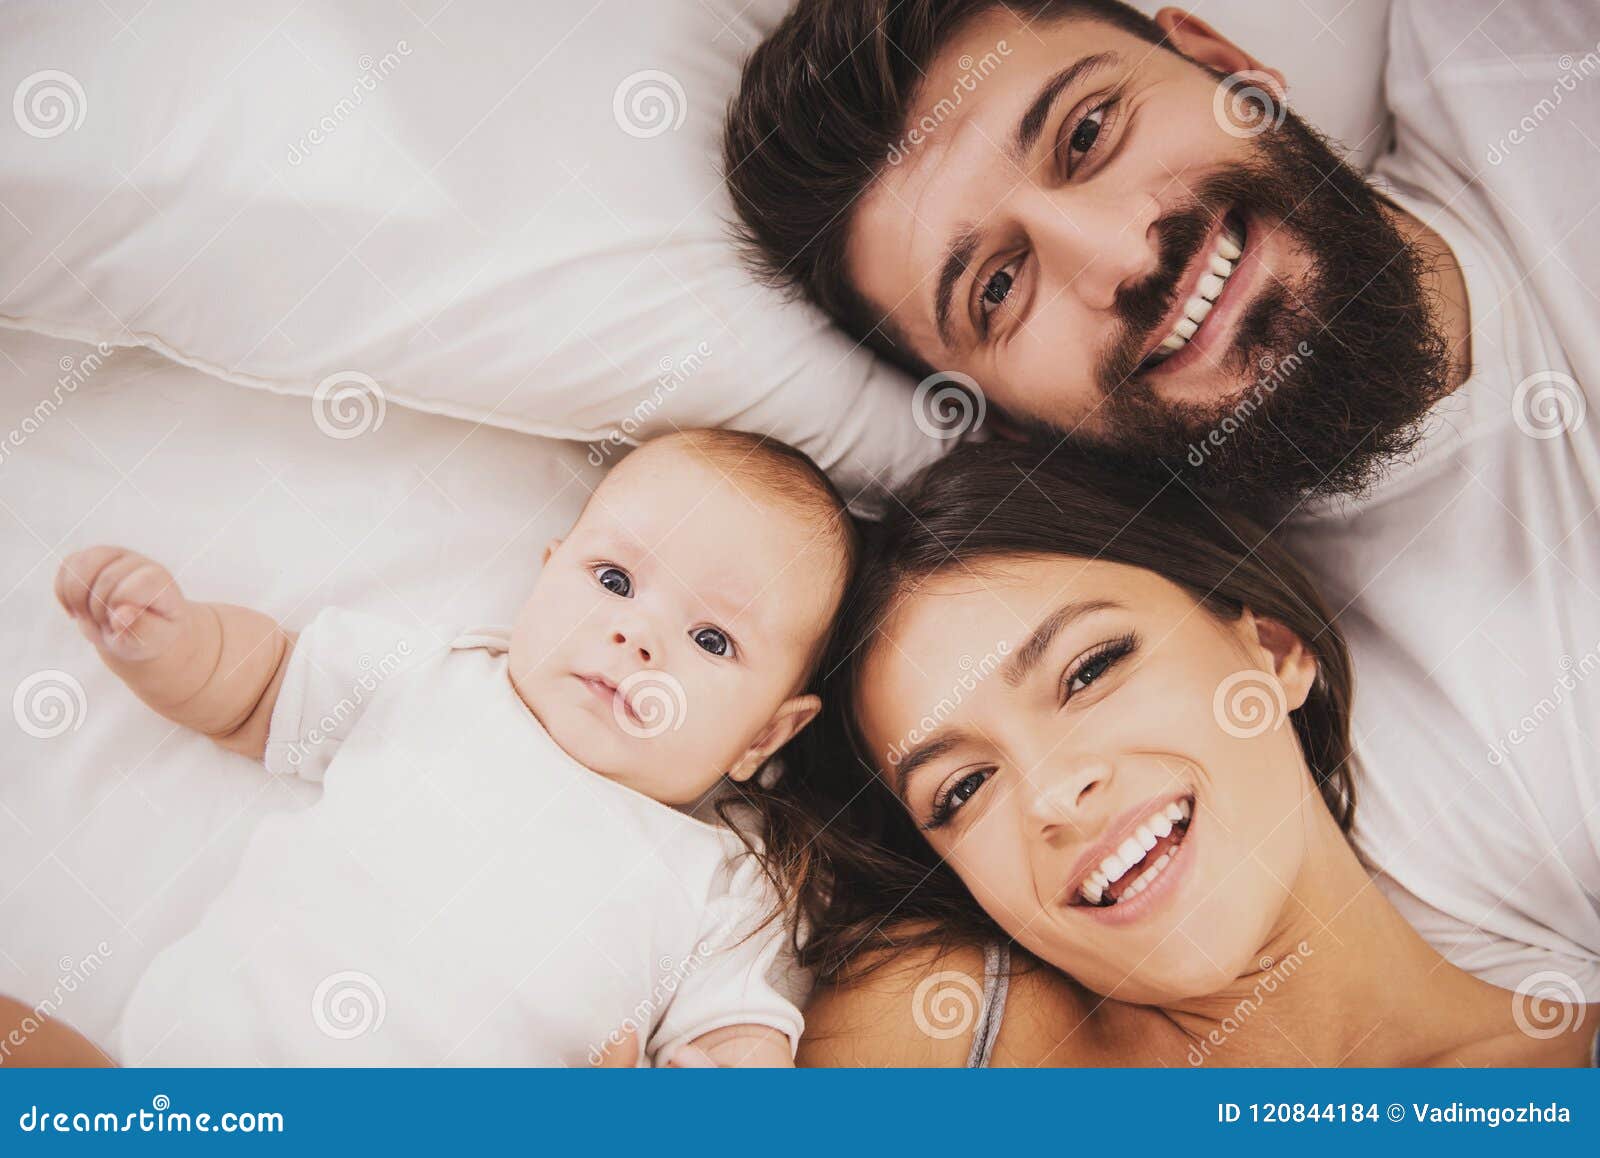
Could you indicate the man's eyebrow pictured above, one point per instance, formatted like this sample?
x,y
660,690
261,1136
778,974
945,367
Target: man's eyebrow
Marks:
x,y
929,750
1038,111
1018,667
958,255
956,260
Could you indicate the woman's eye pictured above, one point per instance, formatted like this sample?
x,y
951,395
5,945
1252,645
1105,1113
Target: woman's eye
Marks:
x,y
614,580
712,640
1091,669
960,792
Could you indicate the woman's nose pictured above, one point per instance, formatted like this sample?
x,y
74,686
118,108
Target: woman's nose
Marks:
x,y
1065,795
1094,246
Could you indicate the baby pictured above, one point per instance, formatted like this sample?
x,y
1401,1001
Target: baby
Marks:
x,y
497,870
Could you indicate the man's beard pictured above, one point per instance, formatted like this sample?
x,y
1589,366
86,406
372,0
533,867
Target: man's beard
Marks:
x,y
1340,367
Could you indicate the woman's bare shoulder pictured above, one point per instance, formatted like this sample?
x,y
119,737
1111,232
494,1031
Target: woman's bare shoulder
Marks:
x,y
920,1007
904,1007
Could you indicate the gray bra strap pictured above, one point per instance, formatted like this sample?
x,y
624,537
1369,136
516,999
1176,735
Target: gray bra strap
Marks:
x,y
996,980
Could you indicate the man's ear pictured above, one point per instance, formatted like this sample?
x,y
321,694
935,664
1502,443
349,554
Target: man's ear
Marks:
x,y
795,713
550,548
1285,655
1200,42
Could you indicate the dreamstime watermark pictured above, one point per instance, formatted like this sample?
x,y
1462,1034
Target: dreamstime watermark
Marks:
x,y
972,674
372,73
1548,404
649,703
649,103
1273,974
74,373
1547,1004
348,404
69,976
1572,72
946,1004
642,1018
1250,703
1248,103
972,71
672,375
49,703
373,673
1572,674
1275,371
348,1004
49,103
947,405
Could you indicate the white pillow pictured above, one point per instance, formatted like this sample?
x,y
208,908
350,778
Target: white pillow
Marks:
x,y
506,211
497,210
1331,52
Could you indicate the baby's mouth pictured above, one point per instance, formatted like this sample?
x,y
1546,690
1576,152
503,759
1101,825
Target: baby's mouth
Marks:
x,y
612,694
1139,860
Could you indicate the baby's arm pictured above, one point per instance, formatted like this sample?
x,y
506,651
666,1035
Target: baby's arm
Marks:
x,y
207,666
737,1047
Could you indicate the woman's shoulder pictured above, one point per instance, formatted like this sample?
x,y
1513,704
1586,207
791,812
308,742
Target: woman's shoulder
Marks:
x,y
924,1005
914,1006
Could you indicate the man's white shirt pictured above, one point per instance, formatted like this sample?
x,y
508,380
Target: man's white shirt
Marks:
x,y
1468,581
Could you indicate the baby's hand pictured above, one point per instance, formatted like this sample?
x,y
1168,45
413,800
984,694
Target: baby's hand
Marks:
x,y
126,605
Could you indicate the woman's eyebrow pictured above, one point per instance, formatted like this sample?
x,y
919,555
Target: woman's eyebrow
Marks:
x,y
1019,666
956,259
924,753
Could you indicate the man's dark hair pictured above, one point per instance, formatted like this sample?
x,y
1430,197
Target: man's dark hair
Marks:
x,y
821,104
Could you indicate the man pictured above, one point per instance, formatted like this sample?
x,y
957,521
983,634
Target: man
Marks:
x,y
1115,227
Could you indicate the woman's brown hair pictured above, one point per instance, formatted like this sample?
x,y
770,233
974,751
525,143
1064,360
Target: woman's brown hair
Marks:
x,y
868,880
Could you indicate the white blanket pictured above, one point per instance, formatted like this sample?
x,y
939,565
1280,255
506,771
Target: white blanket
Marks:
x,y
116,829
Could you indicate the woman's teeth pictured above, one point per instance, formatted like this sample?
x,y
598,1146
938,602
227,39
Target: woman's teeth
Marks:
x,y
1220,264
1166,828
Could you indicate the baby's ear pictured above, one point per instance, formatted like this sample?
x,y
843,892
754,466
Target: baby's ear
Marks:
x,y
795,713
550,548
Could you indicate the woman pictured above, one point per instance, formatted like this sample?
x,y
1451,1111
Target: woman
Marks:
x,y
1090,723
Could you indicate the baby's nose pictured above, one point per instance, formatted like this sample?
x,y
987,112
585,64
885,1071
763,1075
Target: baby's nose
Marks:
x,y
623,639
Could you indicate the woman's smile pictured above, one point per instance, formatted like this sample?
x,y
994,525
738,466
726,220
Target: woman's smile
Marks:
x,y
1136,869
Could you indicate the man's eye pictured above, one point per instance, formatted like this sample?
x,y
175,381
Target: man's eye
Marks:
x,y
614,580
1085,136
997,290
1087,132
712,640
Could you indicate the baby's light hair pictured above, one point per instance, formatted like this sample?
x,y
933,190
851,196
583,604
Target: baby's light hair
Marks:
x,y
785,473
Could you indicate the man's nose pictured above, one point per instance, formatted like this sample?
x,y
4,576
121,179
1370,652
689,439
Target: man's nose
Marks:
x,y
1093,245
1066,795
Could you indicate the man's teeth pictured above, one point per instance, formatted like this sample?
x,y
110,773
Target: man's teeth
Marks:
x,y
1219,265
1131,853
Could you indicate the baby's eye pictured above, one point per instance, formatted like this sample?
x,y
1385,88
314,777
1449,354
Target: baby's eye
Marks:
x,y
614,580
712,640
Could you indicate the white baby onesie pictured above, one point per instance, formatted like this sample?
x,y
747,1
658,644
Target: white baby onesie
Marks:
x,y
463,893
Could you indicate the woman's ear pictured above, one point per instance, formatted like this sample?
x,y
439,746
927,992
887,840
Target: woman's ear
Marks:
x,y
795,713
1285,655
1200,42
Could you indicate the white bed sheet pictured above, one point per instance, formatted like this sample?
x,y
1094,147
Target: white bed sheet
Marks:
x,y
116,833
